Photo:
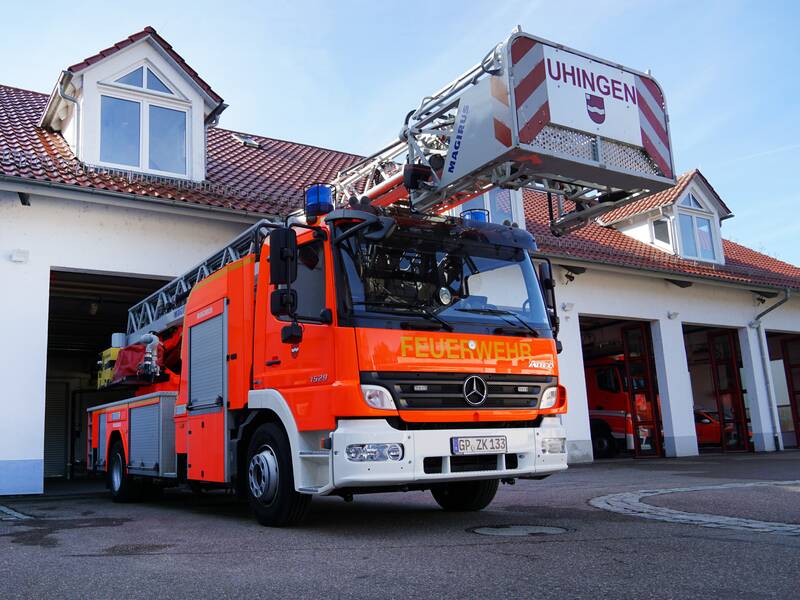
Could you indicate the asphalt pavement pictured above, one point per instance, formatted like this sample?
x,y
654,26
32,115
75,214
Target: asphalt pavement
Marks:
x,y
712,526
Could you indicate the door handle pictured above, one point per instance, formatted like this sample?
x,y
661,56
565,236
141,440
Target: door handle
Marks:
x,y
273,362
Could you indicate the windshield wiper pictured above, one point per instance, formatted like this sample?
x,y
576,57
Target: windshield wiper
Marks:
x,y
497,312
417,309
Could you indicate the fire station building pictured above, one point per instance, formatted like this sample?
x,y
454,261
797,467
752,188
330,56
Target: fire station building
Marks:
x,y
675,340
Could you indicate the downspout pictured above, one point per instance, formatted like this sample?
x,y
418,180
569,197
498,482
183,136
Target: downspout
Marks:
x,y
764,350
66,78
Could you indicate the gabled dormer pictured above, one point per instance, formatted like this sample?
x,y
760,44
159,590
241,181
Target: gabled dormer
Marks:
x,y
684,220
136,106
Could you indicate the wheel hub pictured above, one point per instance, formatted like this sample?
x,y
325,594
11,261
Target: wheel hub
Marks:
x,y
262,475
116,474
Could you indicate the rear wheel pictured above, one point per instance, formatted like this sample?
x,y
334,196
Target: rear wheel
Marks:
x,y
270,480
603,443
465,495
123,487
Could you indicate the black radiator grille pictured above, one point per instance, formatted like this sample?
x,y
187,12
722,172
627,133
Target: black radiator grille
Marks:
x,y
446,390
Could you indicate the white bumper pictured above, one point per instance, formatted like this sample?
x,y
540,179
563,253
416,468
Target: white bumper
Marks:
x,y
526,444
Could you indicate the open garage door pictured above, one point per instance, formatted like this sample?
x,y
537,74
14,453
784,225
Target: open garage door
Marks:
x,y
791,364
720,403
642,395
85,309
621,387
784,358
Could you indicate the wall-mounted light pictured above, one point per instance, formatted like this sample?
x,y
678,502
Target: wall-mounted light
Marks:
x,y
567,306
672,315
571,271
19,255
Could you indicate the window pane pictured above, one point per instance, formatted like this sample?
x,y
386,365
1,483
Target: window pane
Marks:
x,y
704,237
155,84
167,140
119,131
133,78
661,230
687,235
691,201
500,206
310,282
607,379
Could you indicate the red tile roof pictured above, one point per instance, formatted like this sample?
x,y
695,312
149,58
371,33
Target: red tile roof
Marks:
x,y
665,198
152,33
608,246
269,179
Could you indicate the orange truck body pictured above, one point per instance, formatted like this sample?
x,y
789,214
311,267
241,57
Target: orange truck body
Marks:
x,y
313,389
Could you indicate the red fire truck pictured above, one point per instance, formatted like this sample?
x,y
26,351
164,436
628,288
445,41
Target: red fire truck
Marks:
x,y
371,342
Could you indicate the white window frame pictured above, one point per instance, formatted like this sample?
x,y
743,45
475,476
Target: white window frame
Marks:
x,y
694,214
145,98
670,233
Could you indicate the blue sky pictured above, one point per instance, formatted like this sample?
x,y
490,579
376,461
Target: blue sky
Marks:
x,y
344,74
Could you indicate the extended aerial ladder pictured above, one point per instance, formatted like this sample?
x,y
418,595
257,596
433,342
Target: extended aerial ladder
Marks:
x,y
533,114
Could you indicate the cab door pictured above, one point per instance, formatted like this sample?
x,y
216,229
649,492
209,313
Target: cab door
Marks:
x,y
304,372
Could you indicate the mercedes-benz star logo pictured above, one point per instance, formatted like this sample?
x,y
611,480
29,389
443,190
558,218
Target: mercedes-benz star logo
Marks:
x,y
475,390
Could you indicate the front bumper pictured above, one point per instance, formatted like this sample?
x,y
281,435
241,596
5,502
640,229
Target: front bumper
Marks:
x,y
527,454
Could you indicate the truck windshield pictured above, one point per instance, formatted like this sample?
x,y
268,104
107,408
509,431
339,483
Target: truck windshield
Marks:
x,y
415,279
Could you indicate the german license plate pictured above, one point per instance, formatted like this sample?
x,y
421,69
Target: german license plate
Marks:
x,y
484,444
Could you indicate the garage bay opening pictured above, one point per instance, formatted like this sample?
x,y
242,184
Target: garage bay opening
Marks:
x,y
621,387
84,310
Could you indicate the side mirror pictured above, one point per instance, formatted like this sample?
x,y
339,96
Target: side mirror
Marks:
x,y
546,276
326,316
283,302
549,292
282,256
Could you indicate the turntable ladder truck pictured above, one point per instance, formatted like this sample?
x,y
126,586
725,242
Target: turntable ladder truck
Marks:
x,y
370,342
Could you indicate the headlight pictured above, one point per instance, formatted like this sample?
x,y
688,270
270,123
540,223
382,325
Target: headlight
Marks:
x,y
549,398
374,452
378,397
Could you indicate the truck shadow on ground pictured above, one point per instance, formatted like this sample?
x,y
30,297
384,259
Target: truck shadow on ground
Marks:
x,y
371,512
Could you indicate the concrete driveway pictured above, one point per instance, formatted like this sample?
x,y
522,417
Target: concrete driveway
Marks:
x,y
715,526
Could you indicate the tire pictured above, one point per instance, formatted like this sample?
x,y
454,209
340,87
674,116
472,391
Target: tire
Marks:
x,y
465,496
123,487
603,443
270,479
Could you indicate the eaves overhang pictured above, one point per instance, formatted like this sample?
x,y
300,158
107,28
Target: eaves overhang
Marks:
x,y
663,274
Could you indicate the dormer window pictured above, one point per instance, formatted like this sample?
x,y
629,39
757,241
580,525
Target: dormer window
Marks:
x,y
140,127
698,233
136,106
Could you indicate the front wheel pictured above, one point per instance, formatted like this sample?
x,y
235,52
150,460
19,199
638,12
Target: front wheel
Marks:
x,y
465,495
270,480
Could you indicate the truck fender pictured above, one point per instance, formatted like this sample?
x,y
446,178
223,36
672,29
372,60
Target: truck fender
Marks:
x,y
273,400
